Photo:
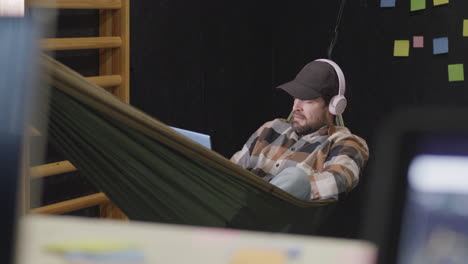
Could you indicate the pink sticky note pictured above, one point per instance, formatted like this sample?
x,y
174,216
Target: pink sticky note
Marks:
x,y
418,41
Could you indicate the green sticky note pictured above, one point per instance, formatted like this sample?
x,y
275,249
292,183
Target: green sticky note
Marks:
x,y
440,2
401,48
465,27
418,5
455,73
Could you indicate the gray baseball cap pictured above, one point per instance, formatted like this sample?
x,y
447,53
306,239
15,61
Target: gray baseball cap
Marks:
x,y
316,79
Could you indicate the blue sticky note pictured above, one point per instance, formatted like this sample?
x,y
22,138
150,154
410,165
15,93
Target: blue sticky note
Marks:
x,y
121,257
387,3
294,253
440,45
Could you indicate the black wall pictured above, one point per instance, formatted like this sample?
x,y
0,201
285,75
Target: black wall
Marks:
x,y
212,66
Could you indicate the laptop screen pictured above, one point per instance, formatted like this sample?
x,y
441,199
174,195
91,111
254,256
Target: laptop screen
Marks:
x,y
202,139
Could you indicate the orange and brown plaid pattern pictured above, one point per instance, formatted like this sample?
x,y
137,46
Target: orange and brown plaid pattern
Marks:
x,y
331,156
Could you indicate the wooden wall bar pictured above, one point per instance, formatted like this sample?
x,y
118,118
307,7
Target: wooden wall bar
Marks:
x,y
80,43
75,4
106,81
73,205
51,169
114,73
116,61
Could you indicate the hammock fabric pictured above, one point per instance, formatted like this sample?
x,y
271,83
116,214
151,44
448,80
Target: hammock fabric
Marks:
x,y
154,174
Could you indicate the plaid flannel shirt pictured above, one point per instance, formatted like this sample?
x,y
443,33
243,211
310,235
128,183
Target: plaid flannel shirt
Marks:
x,y
331,156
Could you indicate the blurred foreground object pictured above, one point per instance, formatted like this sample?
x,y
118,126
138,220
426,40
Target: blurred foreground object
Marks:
x,y
18,58
162,243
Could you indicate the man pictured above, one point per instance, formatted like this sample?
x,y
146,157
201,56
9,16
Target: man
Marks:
x,y
308,156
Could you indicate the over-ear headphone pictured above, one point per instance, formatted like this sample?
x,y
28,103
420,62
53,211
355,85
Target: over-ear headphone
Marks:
x,y
338,102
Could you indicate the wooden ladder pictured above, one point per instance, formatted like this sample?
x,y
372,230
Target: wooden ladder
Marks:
x,y
114,76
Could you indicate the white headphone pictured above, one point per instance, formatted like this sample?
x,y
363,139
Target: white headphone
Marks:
x,y
338,102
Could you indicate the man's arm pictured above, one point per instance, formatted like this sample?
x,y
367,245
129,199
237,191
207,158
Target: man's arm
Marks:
x,y
243,156
341,167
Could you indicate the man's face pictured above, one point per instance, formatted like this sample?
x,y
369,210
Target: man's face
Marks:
x,y
309,115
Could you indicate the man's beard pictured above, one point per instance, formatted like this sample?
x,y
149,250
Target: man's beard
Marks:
x,y
308,128
303,130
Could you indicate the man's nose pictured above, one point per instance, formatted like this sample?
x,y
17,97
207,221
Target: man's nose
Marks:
x,y
297,105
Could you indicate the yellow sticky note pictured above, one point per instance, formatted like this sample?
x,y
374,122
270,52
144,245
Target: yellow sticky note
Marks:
x,y
401,48
440,2
89,246
465,27
252,256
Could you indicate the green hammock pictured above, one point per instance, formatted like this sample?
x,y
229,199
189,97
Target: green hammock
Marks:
x,y
154,174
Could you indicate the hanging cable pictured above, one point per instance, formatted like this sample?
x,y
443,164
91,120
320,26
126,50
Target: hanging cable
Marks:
x,y
335,35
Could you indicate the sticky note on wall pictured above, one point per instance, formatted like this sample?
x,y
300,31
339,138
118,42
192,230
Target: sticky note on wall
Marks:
x,y
418,41
252,256
456,72
465,27
90,246
440,2
418,5
387,3
440,45
401,48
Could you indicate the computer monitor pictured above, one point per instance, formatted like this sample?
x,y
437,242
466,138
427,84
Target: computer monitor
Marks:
x,y
18,44
417,210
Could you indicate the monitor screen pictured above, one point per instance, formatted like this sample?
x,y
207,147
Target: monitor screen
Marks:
x,y
18,59
434,225
417,210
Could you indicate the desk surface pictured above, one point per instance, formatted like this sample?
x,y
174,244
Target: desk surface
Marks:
x,y
162,243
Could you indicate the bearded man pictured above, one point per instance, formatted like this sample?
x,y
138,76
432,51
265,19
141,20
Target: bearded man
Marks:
x,y
308,156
